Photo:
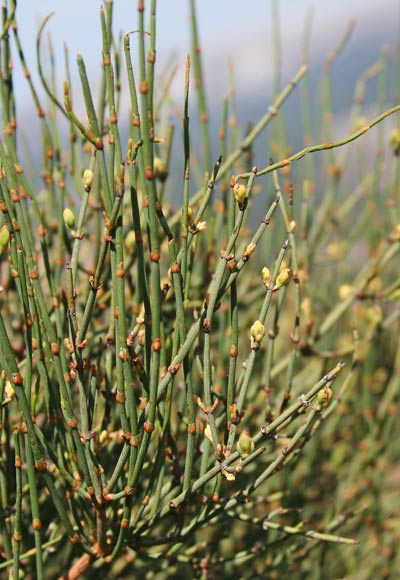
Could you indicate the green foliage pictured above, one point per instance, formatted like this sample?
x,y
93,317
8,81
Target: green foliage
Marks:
x,y
188,391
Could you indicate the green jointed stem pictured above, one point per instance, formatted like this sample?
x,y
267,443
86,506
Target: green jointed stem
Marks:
x,y
322,146
17,535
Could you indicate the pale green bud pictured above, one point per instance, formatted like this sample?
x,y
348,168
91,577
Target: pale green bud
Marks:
x,y
69,218
130,241
283,279
245,445
4,238
394,141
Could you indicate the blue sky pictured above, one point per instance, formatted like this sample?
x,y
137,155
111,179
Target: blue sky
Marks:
x,y
229,30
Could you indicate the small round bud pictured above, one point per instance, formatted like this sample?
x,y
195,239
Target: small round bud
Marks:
x,y
344,291
190,214
245,445
257,331
266,276
324,396
9,391
360,122
69,218
4,238
160,169
374,314
201,227
239,191
249,250
283,278
394,141
130,241
88,176
207,433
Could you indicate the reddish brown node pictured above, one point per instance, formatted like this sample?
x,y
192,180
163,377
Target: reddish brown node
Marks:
x,y
55,349
233,351
144,87
191,428
156,346
17,379
155,256
41,465
148,427
175,268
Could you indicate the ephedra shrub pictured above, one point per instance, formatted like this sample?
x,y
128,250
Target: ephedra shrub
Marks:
x,y
187,391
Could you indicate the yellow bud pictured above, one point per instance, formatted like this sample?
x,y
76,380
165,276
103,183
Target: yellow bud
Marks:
x,y
239,191
375,284
4,238
257,331
292,226
130,241
69,218
393,296
266,276
245,445
207,433
103,436
344,291
249,250
374,314
283,265
306,307
190,214
88,176
324,396
160,169
9,391
394,141
333,251
360,122
283,279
